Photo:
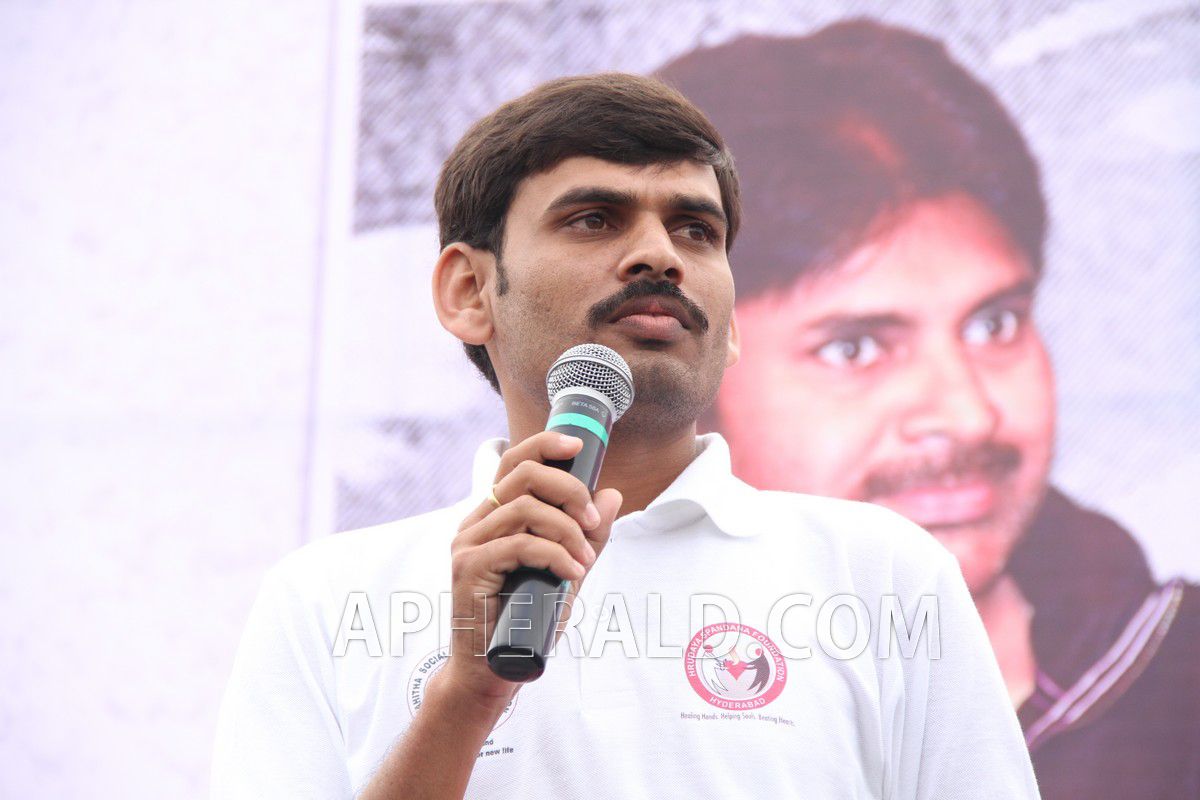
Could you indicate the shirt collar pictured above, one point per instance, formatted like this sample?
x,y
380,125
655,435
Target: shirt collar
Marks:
x,y
706,487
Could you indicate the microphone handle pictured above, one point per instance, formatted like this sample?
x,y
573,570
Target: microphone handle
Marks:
x,y
532,599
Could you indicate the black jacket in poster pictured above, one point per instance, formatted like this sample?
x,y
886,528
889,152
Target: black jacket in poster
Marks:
x,y
1116,710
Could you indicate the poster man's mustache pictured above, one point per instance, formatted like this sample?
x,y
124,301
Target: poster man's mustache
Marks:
x,y
991,461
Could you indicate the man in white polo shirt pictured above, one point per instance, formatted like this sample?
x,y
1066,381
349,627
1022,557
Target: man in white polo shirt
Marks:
x,y
723,640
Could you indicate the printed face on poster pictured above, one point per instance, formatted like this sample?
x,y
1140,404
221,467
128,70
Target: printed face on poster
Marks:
x,y
1104,109
965,281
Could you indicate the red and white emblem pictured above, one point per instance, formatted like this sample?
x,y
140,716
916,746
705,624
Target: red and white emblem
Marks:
x,y
734,666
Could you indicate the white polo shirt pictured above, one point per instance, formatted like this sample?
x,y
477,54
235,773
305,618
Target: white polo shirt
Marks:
x,y
729,642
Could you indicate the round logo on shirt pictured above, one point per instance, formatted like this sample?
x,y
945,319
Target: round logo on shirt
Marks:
x,y
734,666
426,668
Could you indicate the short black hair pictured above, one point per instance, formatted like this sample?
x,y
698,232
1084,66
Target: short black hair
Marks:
x,y
833,131
618,117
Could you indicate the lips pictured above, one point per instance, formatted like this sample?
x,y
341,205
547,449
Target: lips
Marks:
x,y
655,311
936,505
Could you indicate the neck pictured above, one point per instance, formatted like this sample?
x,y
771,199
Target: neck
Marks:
x,y
641,469
1007,618
639,465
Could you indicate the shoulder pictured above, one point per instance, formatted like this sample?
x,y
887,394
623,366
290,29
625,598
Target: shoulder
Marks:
x,y
392,556
854,522
872,541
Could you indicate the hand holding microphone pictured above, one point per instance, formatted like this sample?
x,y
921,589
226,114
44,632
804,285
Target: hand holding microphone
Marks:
x,y
542,532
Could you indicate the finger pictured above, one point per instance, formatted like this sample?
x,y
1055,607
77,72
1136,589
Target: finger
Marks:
x,y
480,511
552,486
490,563
527,514
541,447
608,503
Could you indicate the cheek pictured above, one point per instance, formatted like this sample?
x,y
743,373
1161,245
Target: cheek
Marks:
x,y
786,433
555,303
1024,397
549,295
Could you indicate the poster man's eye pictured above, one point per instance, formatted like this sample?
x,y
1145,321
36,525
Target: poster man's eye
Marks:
x,y
999,326
857,352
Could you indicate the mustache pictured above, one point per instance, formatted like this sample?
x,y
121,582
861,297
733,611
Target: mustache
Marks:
x,y
601,311
989,460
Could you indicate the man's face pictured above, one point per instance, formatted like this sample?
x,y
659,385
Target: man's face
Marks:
x,y
909,375
632,257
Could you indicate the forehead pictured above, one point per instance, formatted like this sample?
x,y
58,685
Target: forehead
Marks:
x,y
941,258
650,183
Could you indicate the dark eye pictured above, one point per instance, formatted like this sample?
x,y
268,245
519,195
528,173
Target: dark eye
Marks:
x,y
698,231
996,327
861,351
595,221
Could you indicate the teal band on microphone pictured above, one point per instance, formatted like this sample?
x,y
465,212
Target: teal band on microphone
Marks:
x,y
579,421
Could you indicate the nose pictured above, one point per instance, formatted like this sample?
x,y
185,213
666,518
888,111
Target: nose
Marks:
x,y
651,254
949,401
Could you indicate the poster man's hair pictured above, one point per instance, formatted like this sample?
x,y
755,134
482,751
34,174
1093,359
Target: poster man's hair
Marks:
x,y
836,131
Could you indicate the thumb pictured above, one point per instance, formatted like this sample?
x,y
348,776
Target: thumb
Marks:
x,y
608,503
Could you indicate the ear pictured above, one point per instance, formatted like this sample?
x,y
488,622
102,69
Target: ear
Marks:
x,y
460,276
734,347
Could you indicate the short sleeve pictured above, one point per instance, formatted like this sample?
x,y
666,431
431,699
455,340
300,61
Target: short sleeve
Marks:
x,y
278,733
962,740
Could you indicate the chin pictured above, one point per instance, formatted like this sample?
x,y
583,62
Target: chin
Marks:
x,y
981,552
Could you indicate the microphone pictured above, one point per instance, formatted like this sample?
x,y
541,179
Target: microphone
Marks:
x,y
590,388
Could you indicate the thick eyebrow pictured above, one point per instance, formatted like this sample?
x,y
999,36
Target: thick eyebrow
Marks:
x,y
694,204
585,195
599,195
847,325
1021,291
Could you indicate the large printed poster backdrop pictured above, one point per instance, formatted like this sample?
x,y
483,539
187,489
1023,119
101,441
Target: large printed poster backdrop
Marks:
x,y
934,133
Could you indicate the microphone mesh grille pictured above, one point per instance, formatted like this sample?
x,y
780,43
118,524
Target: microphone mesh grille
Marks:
x,y
597,367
